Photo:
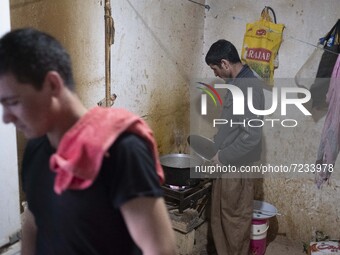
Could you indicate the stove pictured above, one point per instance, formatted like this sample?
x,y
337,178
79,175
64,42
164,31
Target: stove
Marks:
x,y
187,207
182,198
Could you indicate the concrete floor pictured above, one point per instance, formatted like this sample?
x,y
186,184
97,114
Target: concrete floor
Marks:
x,y
282,246
276,244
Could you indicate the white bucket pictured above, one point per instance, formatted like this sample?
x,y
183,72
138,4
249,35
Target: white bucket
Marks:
x,y
259,230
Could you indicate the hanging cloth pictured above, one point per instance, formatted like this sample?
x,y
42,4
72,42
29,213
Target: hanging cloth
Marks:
x,y
331,45
330,137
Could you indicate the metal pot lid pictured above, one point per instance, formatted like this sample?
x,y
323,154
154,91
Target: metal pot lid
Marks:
x,y
202,146
263,210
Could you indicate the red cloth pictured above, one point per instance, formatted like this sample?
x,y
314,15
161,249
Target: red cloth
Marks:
x,y
80,153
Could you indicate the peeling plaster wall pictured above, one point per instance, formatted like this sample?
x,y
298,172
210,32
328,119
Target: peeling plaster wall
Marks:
x,y
155,52
304,207
79,25
157,48
160,46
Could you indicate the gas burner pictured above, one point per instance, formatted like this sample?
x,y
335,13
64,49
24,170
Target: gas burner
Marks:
x,y
173,187
182,199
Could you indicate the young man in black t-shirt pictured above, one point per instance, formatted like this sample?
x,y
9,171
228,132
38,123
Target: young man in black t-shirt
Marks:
x,y
122,210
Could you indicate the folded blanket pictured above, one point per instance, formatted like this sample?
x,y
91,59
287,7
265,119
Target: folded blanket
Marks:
x,y
80,153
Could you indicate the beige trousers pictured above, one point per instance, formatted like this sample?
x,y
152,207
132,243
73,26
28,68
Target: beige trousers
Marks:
x,y
231,215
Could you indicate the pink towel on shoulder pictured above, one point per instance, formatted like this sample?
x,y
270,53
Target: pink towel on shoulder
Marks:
x,y
80,153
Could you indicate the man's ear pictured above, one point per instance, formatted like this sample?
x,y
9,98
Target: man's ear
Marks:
x,y
225,64
54,82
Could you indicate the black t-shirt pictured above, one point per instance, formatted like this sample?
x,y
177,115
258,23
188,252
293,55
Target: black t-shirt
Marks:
x,y
88,222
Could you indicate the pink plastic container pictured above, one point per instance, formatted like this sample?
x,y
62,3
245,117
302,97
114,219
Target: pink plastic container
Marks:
x,y
258,237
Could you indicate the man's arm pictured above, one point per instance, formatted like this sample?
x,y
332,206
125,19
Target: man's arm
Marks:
x,y
250,135
29,232
149,225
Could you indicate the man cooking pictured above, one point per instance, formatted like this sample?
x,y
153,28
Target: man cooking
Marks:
x,y
232,195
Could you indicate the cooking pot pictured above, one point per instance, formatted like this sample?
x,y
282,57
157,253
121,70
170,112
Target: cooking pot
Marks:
x,y
177,169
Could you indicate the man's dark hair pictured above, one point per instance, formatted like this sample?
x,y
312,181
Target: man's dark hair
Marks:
x,y
222,49
29,55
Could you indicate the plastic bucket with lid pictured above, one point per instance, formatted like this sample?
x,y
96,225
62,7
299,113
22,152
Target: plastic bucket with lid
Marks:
x,y
260,225
258,237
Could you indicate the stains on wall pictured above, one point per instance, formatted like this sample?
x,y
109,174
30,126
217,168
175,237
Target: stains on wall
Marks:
x,y
152,60
168,116
308,210
79,25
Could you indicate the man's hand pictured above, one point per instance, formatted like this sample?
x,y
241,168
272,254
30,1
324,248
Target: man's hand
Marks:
x,y
215,160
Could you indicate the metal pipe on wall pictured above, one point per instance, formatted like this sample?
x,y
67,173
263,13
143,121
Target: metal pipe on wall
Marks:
x,y
109,40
